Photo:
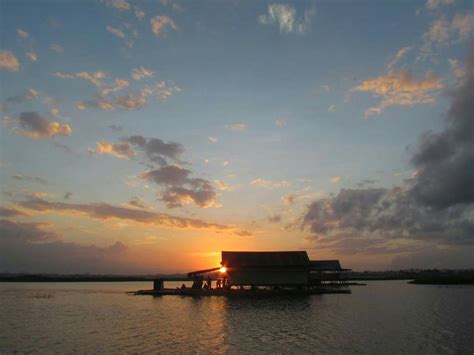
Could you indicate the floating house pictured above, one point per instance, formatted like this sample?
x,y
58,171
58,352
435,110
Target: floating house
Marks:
x,y
261,270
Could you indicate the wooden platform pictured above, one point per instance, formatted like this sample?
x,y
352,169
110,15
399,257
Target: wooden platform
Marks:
x,y
236,292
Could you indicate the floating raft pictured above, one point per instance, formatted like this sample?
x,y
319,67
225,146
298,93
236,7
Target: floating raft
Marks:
x,y
237,292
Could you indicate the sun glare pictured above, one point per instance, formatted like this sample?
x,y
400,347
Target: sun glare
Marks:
x,y
222,270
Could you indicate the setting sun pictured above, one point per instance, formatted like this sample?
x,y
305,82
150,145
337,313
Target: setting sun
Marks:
x,y
222,270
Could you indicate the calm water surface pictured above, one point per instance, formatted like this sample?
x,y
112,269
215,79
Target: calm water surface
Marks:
x,y
383,317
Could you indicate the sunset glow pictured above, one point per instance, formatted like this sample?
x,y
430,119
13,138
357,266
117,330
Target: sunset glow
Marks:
x,y
157,133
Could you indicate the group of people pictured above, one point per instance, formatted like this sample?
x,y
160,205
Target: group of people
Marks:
x,y
200,284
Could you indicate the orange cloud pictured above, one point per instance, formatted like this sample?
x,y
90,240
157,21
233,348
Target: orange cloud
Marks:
x,y
400,88
8,61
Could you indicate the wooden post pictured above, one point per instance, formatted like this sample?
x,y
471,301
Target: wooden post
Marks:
x,y
158,285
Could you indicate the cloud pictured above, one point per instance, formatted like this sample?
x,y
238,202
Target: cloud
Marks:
x,y
456,69
154,149
276,218
137,201
11,212
94,78
288,199
213,139
280,123
434,4
8,61
32,232
32,247
116,32
237,126
32,56
180,188
397,57
116,128
160,23
27,95
400,88
56,48
141,73
284,16
117,4
131,101
434,207
332,108
221,185
269,184
119,150
443,32
28,178
119,84
335,179
105,211
22,34
33,125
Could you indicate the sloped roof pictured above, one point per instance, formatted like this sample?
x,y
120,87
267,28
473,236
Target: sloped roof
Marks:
x,y
326,265
264,258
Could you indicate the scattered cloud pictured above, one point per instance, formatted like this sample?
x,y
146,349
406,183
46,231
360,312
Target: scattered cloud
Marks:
x,y
28,178
276,218
222,186
116,32
400,88
456,69
11,212
402,52
270,184
119,84
95,78
443,32
280,123
33,125
119,150
160,23
335,179
434,4
435,205
8,61
32,56
332,108
285,17
213,139
117,4
116,128
237,126
27,95
56,48
153,149
288,199
180,189
141,73
22,34
105,211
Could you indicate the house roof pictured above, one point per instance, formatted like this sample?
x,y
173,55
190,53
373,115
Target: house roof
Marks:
x,y
264,258
326,265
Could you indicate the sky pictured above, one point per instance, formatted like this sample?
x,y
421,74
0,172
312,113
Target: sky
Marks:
x,y
148,136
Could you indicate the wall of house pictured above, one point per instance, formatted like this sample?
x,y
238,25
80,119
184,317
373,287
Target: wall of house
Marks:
x,y
267,277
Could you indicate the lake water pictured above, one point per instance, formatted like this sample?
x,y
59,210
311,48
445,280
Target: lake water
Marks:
x,y
383,317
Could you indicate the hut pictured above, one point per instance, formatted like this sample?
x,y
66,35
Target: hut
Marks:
x,y
327,271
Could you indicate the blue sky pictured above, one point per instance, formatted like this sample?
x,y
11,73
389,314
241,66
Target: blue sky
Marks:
x,y
274,106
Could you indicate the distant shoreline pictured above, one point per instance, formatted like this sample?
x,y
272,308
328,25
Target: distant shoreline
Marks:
x,y
423,278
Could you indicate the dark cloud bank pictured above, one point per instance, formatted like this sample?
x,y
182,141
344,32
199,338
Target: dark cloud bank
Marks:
x,y
434,209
